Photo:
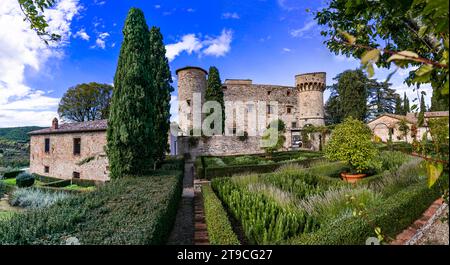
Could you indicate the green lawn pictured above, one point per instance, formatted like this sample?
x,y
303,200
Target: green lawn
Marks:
x,y
5,215
79,188
12,182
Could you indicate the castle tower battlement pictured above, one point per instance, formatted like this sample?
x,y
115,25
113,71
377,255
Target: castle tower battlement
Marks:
x,y
310,98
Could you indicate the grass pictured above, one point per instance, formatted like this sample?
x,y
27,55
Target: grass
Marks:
x,y
5,215
79,188
12,182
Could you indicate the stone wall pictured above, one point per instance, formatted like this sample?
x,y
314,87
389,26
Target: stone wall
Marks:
x,y
219,145
61,160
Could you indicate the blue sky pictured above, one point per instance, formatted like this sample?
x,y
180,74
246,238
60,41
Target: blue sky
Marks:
x,y
268,41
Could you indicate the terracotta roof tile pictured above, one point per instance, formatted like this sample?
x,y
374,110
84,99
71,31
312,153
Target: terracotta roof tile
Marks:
x,y
87,126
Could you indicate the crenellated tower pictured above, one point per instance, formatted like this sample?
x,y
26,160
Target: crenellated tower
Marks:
x,y
310,98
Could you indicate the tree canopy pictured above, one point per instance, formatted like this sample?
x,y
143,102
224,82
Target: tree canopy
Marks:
x,y
405,32
86,102
214,91
161,85
355,95
131,124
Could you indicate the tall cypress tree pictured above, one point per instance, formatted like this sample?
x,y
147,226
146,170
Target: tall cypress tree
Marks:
x,y
131,128
398,105
161,83
422,110
406,108
214,91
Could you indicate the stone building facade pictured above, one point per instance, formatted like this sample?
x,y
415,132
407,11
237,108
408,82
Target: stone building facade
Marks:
x,y
386,126
298,106
71,150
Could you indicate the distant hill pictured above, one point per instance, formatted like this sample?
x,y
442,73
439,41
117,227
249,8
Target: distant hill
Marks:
x,y
18,133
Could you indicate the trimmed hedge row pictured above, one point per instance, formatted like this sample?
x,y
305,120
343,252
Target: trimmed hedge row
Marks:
x,y
220,231
228,171
130,210
393,215
12,174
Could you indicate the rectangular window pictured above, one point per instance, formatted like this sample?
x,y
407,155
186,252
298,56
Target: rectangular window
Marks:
x,y
76,146
294,125
76,175
268,93
47,145
288,110
188,102
269,109
46,169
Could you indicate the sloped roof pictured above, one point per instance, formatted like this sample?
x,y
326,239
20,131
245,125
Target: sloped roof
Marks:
x,y
407,118
436,114
87,126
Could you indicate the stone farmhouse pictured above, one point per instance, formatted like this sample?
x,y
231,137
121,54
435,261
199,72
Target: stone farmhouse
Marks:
x,y
387,125
70,150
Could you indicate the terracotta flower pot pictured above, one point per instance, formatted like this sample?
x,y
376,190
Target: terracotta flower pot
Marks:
x,y
352,178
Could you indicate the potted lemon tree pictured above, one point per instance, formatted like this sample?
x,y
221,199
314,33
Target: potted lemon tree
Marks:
x,y
351,142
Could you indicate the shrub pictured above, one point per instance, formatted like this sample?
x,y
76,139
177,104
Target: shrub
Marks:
x,y
391,160
392,215
12,174
35,198
24,180
130,210
228,171
351,142
264,221
2,188
220,231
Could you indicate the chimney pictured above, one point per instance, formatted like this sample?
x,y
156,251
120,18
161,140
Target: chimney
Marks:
x,y
55,123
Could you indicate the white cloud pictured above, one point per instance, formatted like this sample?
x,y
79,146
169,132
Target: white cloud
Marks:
x,y
229,15
82,34
289,5
298,33
210,46
20,50
219,46
189,43
99,2
100,41
190,10
157,6
286,50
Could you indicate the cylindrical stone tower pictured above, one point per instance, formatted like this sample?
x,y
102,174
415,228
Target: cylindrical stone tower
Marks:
x,y
310,98
191,94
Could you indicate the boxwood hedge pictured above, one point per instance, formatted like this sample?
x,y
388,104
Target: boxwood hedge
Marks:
x,y
130,210
393,215
220,231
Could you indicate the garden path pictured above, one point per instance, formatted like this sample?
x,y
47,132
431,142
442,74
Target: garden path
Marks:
x,y
183,229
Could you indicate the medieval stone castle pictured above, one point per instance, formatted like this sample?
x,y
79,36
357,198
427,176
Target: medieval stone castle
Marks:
x,y
298,106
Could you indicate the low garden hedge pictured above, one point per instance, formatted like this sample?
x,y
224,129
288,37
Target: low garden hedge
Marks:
x,y
130,210
393,215
12,174
228,171
220,231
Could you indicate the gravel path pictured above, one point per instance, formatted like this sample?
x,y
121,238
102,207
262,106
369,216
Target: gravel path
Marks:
x,y
437,234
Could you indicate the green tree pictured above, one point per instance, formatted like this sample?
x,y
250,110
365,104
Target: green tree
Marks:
x,y
333,114
398,105
350,142
404,129
439,102
422,110
381,98
161,85
33,11
86,102
273,138
131,124
214,91
351,89
408,33
406,107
